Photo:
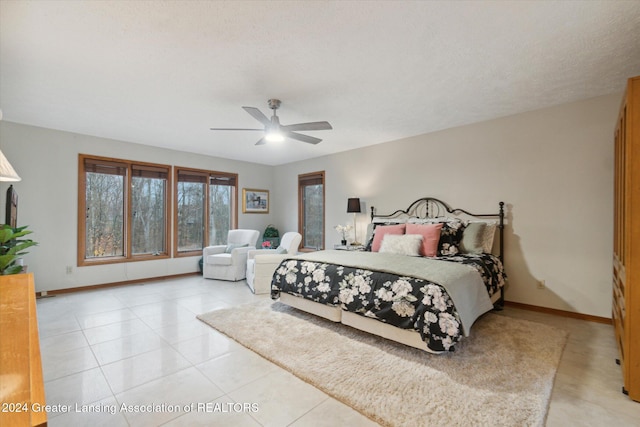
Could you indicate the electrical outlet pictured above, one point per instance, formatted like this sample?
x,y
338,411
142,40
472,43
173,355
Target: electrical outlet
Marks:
x,y
542,284
69,269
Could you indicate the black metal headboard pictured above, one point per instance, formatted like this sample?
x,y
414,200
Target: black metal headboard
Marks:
x,y
429,207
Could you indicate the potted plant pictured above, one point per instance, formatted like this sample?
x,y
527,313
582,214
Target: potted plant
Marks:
x,y
271,235
12,247
343,230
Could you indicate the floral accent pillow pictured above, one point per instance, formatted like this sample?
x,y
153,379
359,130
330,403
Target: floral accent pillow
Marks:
x,y
450,238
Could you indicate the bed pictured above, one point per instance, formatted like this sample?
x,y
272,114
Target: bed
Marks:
x,y
427,273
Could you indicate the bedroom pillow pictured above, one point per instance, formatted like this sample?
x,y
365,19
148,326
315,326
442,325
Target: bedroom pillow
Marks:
x,y
430,237
489,234
383,230
472,238
230,247
450,237
402,244
371,230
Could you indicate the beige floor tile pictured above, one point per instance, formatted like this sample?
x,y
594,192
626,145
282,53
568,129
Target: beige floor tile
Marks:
x,y
192,363
60,363
121,348
332,413
77,389
183,331
281,397
220,413
142,368
168,317
87,321
205,347
103,413
164,308
167,397
202,303
114,331
236,369
63,342
63,324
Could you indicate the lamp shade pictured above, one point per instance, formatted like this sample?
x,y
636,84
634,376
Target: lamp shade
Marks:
x,y
353,205
7,173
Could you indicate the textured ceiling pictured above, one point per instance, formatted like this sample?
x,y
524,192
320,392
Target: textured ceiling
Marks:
x,y
163,72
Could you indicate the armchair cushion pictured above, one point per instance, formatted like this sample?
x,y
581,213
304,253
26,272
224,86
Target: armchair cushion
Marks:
x,y
219,259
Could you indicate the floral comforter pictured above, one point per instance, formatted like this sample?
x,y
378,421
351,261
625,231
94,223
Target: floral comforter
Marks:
x,y
403,301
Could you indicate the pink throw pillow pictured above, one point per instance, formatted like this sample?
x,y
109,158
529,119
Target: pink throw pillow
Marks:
x,y
430,237
381,230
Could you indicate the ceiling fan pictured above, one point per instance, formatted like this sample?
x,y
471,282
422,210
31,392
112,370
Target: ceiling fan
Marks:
x,y
275,132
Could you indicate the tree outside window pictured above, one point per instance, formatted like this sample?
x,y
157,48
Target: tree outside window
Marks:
x,y
205,209
311,210
123,209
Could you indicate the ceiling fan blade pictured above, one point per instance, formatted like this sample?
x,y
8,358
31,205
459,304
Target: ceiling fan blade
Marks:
x,y
307,126
258,115
262,141
303,138
261,130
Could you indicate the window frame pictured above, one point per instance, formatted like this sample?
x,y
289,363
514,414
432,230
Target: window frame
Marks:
x,y
304,180
130,166
208,174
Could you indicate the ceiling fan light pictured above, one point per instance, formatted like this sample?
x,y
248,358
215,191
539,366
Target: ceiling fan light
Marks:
x,y
274,136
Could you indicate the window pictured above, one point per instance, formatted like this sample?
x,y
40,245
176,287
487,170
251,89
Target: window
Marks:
x,y
123,210
311,210
205,209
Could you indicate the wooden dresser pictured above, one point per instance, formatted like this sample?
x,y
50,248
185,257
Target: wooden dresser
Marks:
x,y
21,383
626,244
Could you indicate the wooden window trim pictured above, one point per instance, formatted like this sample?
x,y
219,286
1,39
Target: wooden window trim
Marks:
x,y
130,166
207,175
312,178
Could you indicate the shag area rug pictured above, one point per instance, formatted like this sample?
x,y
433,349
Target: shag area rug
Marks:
x,y
502,375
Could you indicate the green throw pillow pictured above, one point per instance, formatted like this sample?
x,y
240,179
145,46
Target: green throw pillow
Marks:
x,y
231,247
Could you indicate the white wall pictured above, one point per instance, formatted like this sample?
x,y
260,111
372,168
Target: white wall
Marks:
x,y
47,161
553,168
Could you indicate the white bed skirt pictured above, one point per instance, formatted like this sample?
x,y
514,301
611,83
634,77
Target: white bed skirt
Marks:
x,y
372,326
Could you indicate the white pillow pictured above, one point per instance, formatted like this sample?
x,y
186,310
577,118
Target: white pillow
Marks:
x,y
489,234
402,244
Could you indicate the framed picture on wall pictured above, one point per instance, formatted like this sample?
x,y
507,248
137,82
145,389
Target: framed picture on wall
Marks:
x,y
255,201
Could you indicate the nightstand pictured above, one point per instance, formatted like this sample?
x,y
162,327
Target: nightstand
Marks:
x,y
348,247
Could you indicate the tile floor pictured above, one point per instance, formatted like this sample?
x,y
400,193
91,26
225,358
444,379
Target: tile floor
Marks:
x,y
141,346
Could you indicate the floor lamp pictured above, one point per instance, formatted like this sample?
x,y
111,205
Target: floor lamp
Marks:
x,y
353,206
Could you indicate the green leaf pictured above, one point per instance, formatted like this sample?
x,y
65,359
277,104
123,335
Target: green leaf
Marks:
x,y
11,247
14,269
6,234
20,247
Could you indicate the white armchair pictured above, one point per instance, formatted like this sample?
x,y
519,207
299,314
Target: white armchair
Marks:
x,y
262,263
228,262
